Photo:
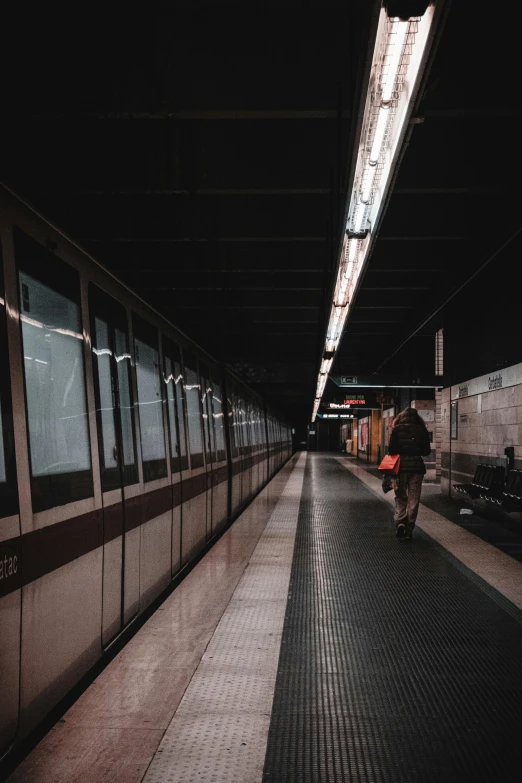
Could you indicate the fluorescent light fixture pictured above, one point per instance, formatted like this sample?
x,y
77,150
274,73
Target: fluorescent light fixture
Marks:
x,y
369,176
380,132
398,54
325,366
331,345
341,297
359,218
353,247
393,58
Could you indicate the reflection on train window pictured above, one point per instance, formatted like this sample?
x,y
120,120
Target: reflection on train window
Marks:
x,y
232,424
8,488
206,406
123,360
106,407
52,338
243,426
112,386
176,415
219,423
150,406
53,361
237,425
192,396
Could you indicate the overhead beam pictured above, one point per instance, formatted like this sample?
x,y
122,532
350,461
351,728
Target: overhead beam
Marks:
x,y
438,238
190,240
230,114
486,110
392,271
443,190
237,289
212,271
396,288
382,307
303,191
245,307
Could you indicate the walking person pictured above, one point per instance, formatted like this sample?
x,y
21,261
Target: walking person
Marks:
x,y
410,439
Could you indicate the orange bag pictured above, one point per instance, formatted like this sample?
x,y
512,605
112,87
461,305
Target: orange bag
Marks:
x,y
391,463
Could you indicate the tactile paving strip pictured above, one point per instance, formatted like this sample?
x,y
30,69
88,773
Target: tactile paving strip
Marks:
x,y
395,666
219,732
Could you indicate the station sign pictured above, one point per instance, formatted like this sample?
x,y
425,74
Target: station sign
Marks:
x,y
336,415
387,382
347,403
500,379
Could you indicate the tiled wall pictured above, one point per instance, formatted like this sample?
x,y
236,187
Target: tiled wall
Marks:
x,y
487,422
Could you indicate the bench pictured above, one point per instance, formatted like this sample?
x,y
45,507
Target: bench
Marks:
x,y
488,482
512,493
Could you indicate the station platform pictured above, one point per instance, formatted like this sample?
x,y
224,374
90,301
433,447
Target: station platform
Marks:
x,y
309,644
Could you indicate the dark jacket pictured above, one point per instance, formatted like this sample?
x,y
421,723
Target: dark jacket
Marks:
x,y
412,442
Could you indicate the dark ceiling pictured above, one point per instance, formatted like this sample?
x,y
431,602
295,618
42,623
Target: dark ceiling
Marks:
x,y
203,156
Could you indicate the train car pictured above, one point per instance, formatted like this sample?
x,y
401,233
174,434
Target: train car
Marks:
x,y
124,450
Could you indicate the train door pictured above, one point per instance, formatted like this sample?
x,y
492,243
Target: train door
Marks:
x,y
240,439
194,532
220,471
209,439
10,560
173,373
235,452
248,448
118,462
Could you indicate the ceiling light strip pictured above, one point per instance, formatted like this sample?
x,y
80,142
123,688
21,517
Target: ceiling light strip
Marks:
x,y
398,54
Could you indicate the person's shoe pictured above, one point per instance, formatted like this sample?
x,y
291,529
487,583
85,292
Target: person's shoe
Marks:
x,y
409,532
401,529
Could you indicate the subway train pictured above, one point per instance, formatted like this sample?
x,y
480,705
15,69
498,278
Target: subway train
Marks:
x,y
124,450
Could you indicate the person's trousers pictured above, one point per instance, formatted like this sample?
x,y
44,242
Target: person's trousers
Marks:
x,y
407,498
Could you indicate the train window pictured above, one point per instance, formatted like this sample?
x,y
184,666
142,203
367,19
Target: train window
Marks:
x,y
8,488
206,405
106,408
175,405
237,424
150,400
219,422
244,421
240,431
113,393
52,338
249,417
193,400
231,404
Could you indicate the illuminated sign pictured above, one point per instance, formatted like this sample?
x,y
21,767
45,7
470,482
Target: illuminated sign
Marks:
x,y
360,400
336,415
